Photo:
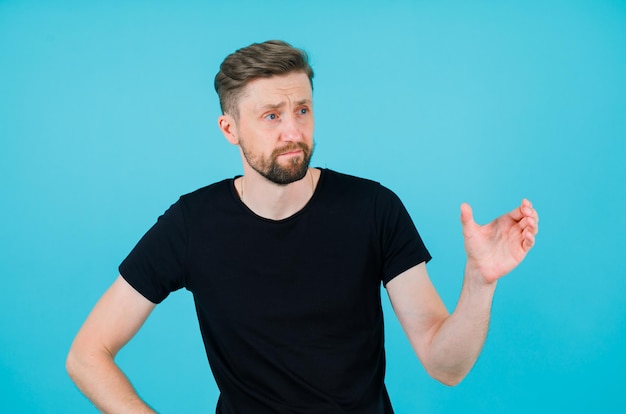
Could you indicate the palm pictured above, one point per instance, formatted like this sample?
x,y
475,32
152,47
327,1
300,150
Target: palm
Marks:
x,y
498,247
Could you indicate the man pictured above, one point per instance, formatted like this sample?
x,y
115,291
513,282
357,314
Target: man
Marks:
x,y
285,265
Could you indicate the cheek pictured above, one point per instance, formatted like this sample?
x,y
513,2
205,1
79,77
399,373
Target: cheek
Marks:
x,y
308,129
258,146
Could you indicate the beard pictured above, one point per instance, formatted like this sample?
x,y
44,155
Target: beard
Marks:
x,y
293,170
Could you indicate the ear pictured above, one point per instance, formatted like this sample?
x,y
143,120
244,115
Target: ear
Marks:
x,y
228,126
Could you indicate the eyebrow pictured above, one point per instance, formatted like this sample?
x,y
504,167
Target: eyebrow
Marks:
x,y
266,107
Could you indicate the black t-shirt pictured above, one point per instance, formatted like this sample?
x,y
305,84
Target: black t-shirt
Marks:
x,y
289,310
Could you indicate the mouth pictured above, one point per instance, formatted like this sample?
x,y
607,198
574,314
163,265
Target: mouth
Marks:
x,y
290,151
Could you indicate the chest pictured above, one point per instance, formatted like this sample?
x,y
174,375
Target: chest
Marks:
x,y
312,272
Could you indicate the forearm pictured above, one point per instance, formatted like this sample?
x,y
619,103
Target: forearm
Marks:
x,y
98,377
458,340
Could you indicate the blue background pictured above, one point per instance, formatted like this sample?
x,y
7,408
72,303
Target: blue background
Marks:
x,y
108,114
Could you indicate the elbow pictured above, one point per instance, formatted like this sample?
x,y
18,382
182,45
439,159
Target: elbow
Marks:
x,y
85,359
448,377
450,381
78,361
446,370
72,364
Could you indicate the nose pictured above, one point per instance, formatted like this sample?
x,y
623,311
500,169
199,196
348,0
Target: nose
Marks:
x,y
292,130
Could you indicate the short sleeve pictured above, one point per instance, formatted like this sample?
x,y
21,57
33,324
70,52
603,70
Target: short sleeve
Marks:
x,y
402,246
156,265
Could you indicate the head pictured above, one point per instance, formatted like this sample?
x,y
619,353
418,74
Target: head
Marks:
x,y
259,60
265,91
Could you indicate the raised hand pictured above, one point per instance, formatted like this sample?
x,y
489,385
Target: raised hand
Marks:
x,y
493,250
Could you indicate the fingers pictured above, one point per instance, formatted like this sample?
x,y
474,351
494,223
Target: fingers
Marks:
x,y
528,240
518,213
525,216
525,210
529,224
466,214
530,216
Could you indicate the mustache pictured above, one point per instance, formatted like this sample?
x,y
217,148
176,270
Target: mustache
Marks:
x,y
291,147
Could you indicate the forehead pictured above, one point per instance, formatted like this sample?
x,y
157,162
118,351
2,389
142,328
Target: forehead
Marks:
x,y
277,90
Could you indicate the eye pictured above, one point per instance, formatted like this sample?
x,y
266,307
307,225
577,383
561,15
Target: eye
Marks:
x,y
303,111
272,116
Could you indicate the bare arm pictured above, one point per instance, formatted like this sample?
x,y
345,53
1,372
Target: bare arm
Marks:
x,y
448,345
114,320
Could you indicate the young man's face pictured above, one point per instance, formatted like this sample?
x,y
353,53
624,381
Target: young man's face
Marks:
x,y
275,126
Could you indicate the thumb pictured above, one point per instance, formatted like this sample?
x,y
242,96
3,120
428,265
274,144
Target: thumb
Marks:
x,y
467,217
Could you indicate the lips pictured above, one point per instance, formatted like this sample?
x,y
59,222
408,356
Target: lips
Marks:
x,y
294,152
294,149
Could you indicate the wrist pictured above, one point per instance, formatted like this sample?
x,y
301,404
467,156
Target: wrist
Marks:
x,y
478,277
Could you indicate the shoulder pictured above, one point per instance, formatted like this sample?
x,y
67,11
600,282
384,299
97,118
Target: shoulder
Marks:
x,y
209,193
353,185
217,188
343,181
210,197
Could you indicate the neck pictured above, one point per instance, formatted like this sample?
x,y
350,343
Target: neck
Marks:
x,y
274,201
